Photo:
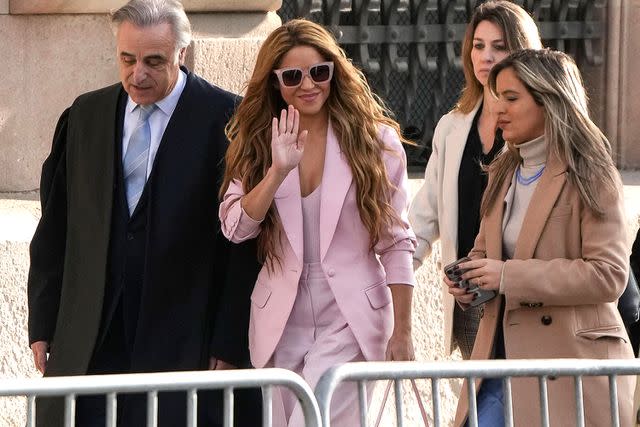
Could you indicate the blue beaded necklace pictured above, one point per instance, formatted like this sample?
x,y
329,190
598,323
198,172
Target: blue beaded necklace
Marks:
x,y
526,181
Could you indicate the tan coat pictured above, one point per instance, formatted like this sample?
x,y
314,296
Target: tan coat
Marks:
x,y
569,268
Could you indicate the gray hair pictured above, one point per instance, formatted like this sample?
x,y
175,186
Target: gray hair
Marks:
x,y
147,13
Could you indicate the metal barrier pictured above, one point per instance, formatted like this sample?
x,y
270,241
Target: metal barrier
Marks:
x,y
317,409
471,370
191,382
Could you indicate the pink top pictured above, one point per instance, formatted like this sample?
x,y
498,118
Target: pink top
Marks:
x,y
311,226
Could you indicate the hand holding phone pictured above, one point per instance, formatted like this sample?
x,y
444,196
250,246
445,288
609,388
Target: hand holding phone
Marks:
x,y
454,273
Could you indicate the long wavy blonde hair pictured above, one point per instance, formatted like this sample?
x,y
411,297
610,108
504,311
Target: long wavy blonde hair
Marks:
x,y
355,114
519,31
553,80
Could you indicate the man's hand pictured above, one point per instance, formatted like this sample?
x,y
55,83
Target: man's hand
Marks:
x,y
219,365
39,349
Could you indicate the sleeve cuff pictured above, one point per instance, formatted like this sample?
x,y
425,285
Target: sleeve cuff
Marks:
x,y
399,268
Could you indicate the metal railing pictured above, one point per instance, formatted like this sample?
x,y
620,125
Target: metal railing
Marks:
x,y
362,372
190,382
316,409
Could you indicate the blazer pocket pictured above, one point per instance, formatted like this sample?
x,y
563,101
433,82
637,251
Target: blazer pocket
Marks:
x,y
260,295
560,211
613,331
378,295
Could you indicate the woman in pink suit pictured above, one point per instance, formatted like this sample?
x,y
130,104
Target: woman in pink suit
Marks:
x,y
316,172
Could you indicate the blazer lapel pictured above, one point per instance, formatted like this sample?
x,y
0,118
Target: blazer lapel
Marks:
x,y
544,198
336,180
288,201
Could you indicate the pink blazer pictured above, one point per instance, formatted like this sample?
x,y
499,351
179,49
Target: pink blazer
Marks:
x,y
357,275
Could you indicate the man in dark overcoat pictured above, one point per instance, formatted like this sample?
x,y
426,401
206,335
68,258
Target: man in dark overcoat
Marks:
x,y
128,266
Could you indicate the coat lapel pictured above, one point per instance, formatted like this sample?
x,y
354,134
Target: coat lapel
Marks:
x,y
288,201
493,224
336,180
106,132
544,198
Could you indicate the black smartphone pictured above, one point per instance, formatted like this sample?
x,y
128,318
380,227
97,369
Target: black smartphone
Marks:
x,y
482,296
455,275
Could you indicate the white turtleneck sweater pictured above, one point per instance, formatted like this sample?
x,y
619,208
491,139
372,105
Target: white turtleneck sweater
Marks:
x,y
534,157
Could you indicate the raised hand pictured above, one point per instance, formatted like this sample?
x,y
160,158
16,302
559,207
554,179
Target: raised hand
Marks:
x,y
287,146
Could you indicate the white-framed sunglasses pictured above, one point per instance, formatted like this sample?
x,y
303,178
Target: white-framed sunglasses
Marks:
x,y
293,76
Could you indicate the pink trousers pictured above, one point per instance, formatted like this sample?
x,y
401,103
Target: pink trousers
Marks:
x,y
316,338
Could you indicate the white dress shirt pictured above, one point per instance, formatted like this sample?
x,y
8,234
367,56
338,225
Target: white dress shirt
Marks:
x,y
158,121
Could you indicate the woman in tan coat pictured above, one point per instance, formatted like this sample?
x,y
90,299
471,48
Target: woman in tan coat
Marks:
x,y
552,242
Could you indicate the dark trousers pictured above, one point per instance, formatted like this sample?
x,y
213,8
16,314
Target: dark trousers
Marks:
x,y
113,357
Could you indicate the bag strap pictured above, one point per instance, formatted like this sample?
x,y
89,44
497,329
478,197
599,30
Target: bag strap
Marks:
x,y
423,411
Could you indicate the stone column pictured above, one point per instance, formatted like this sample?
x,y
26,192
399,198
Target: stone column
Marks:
x,y
622,101
57,49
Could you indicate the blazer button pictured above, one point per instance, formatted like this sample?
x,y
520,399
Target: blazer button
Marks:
x,y
546,320
331,272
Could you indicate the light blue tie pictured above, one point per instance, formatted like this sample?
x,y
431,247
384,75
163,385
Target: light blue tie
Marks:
x,y
137,157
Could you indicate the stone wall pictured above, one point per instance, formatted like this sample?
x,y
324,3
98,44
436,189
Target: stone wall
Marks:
x,y
57,53
17,224
104,6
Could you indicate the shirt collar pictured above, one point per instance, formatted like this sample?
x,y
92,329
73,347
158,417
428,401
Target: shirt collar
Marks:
x,y
169,102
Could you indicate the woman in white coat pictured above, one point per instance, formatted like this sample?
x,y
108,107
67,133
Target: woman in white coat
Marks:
x,y
447,206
